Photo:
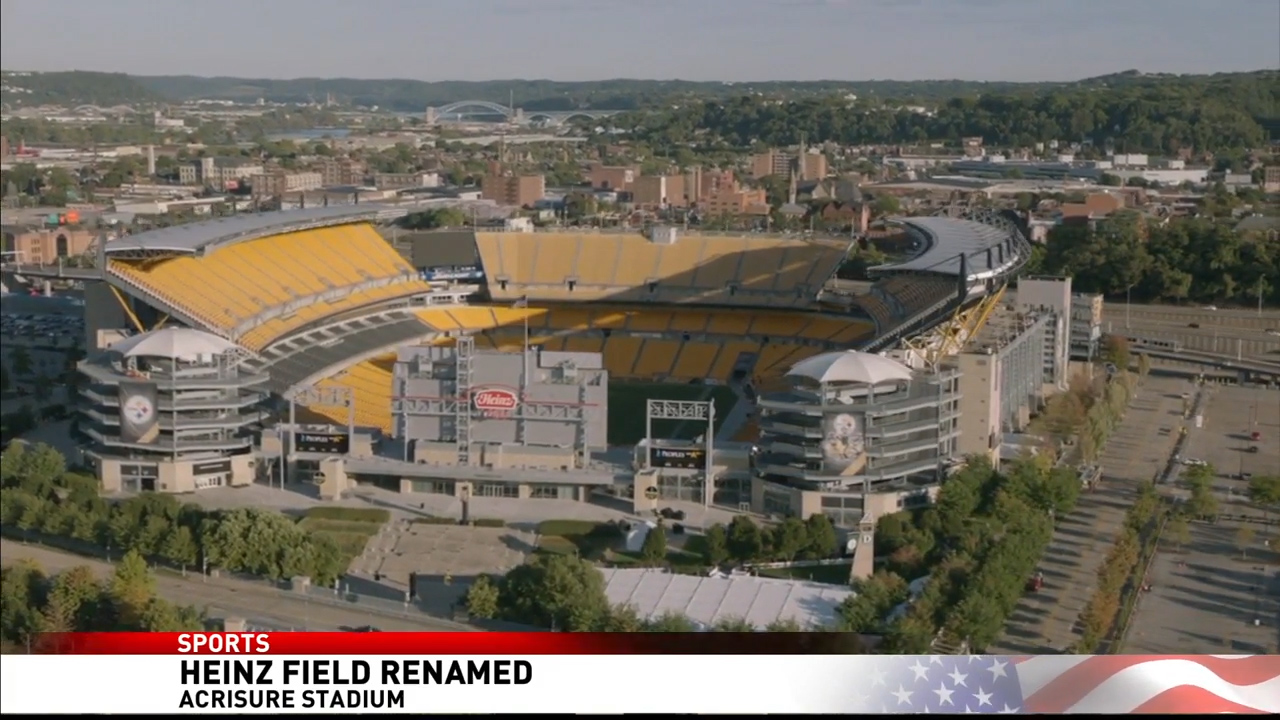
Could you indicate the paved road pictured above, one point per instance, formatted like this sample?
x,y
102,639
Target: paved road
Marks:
x,y
260,605
1138,449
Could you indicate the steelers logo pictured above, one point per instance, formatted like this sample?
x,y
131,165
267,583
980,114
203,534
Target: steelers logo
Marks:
x,y
139,410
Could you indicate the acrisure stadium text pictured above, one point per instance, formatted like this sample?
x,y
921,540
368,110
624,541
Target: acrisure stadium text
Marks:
x,y
241,699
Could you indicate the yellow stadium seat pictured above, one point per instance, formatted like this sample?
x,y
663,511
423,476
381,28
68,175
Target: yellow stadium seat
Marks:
x,y
555,255
645,321
728,356
598,260
637,262
689,321
609,320
774,325
656,358
583,344
438,318
729,323
719,262
620,355
695,360
234,283
509,317
572,319
370,385
473,319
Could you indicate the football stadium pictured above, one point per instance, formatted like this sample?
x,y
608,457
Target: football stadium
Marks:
x,y
303,346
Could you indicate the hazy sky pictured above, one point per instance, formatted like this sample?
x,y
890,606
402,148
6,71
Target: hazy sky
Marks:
x,y
664,39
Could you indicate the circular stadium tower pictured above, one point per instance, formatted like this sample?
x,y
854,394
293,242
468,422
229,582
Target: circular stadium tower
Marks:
x,y
170,411
855,434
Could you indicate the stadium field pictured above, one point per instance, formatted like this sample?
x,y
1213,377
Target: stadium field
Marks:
x,y
627,409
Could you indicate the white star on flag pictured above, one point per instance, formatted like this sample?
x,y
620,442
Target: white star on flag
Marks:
x,y
944,695
957,677
983,697
903,695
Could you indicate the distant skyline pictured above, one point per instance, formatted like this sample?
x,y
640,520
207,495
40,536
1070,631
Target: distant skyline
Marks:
x,y
706,40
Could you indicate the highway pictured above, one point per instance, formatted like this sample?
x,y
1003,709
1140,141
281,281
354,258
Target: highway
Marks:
x,y
1236,333
260,605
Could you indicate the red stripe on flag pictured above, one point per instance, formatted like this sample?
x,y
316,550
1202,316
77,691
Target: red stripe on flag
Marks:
x,y
1075,683
1190,699
413,643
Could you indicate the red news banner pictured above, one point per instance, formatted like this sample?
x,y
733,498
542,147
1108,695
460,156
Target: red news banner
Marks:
x,y
370,671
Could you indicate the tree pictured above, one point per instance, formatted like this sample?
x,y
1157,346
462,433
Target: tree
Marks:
x,y
180,546
788,538
733,624
670,623
433,219
821,540
623,619
1179,531
654,549
1244,539
887,204
1115,350
482,598
1264,491
132,589
554,591
784,625
745,541
72,602
715,545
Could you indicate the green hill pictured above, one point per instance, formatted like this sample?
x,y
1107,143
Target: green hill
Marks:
x,y
76,87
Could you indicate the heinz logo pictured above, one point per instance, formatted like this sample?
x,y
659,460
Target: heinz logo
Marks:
x,y
495,400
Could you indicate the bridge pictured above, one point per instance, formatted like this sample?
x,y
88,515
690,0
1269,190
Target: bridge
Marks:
x,y
472,110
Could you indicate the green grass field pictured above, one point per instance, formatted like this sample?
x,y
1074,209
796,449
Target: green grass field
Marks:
x,y
349,528
627,409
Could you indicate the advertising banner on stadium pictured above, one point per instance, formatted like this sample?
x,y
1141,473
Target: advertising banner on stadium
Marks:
x,y
843,443
687,458
452,272
325,443
139,418
485,673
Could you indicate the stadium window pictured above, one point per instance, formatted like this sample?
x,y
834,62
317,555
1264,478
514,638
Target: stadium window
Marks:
x,y
572,285
502,284
545,492
653,287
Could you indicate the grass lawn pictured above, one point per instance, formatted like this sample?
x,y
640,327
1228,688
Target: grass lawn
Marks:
x,y
350,535
627,409
832,574
586,538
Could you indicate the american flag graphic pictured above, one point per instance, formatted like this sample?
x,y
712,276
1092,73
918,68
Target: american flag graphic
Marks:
x,y
1075,684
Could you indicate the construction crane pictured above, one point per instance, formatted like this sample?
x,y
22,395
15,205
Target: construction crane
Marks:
x,y
949,337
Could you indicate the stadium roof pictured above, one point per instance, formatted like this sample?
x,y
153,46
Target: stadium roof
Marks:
x,y
850,366
182,344
193,237
708,600
948,239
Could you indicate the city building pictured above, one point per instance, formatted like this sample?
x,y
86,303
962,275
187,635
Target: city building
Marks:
x,y
404,181
218,173
518,190
41,246
1086,325
806,165
733,200
1271,179
170,411
855,437
605,177
279,182
651,191
1002,377
341,172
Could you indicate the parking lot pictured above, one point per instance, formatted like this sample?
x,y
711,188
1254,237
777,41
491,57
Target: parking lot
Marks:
x,y
1046,621
1214,595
